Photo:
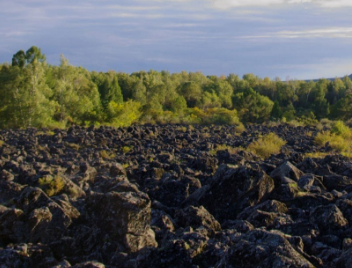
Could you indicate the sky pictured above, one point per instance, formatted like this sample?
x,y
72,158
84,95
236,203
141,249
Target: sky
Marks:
x,y
289,39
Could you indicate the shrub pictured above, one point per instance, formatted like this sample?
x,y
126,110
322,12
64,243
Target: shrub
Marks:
x,y
319,155
123,114
295,123
73,146
222,147
336,142
52,185
107,155
339,138
267,145
216,116
326,122
340,129
126,149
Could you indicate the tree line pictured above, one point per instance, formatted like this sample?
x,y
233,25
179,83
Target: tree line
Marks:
x,y
36,94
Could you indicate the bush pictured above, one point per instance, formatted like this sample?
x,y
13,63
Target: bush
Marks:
x,y
126,149
216,116
223,147
51,185
267,145
336,142
123,114
107,155
340,129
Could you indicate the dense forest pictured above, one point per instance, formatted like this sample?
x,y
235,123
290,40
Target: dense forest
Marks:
x,y
36,94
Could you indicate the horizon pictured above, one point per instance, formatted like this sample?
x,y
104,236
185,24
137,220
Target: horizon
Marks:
x,y
295,39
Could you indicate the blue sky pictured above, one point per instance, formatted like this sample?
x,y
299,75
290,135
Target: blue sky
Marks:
x,y
301,39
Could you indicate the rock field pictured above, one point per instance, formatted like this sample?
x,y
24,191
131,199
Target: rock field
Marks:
x,y
166,196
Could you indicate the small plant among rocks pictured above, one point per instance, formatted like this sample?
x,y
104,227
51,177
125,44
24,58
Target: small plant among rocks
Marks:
x,y
231,150
51,185
126,149
107,155
267,145
73,146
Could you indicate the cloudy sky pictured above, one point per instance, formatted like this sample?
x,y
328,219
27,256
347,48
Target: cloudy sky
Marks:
x,y
301,39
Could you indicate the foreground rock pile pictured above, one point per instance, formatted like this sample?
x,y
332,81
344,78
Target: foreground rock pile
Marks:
x,y
164,196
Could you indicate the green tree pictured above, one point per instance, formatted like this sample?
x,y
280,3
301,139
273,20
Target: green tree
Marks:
x,y
76,95
108,87
25,96
34,53
192,92
342,109
276,112
253,107
19,59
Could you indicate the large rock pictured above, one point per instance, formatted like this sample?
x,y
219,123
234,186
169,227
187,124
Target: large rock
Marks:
x,y
125,216
197,217
263,249
46,219
287,169
233,189
329,219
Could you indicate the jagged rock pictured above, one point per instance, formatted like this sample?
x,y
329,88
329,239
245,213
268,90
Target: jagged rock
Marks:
x,y
197,217
10,191
345,260
89,264
287,170
260,248
172,191
101,209
125,216
117,169
336,182
12,228
329,219
266,214
311,183
232,190
46,219
15,258
162,220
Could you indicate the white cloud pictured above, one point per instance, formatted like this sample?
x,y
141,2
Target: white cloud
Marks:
x,y
342,32
243,3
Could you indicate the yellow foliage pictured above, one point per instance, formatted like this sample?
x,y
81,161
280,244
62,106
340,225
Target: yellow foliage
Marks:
x,y
123,114
267,145
222,147
51,185
336,142
340,129
47,133
107,155
126,149
125,165
214,116
72,146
